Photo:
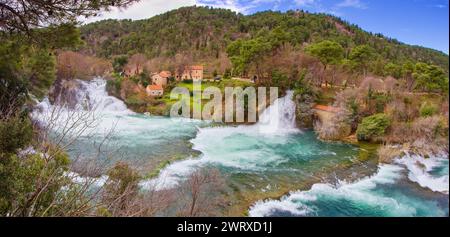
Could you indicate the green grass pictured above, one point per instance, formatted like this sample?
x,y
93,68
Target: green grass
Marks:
x,y
195,104
221,84
155,172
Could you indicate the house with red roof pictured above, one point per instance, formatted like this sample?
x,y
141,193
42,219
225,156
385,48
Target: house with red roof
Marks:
x,y
154,90
161,78
194,73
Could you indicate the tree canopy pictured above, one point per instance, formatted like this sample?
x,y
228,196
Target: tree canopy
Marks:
x,y
328,52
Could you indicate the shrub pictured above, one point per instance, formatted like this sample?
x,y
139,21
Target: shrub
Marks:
x,y
336,128
373,127
428,110
387,153
135,100
15,132
402,110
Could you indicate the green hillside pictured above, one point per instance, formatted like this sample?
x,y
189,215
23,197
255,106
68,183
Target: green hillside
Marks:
x,y
204,32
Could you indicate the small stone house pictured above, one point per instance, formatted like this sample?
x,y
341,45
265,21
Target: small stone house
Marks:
x,y
157,79
194,73
154,90
161,78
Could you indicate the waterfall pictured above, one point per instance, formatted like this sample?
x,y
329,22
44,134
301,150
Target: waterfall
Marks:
x,y
236,147
97,97
86,96
87,114
92,95
280,116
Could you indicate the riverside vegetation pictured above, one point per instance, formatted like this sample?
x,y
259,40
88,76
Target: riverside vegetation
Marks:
x,y
383,92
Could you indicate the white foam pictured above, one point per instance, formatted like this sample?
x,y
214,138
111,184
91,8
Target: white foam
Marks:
x,y
172,175
236,147
361,191
81,180
419,170
279,117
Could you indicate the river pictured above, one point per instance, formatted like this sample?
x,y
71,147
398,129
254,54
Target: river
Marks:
x,y
271,168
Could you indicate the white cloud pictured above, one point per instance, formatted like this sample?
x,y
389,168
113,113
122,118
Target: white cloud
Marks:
x,y
440,6
147,8
142,10
352,3
303,3
234,5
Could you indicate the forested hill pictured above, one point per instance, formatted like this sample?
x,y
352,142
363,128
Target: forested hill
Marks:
x,y
203,32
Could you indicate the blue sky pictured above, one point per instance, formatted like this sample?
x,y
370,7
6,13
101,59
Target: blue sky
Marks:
x,y
418,22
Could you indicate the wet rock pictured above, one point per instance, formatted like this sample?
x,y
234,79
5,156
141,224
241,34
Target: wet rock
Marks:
x,y
66,92
304,113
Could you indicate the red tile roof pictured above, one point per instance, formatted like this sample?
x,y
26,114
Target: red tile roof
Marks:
x,y
196,67
154,87
326,108
165,74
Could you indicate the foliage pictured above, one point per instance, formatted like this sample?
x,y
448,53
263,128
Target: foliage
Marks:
x,y
206,33
25,16
372,127
427,109
361,56
302,87
42,71
119,63
121,187
243,53
430,78
13,85
15,132
327,51
33,172
30,183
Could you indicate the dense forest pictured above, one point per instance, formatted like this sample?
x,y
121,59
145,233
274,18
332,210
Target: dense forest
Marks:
x,y
204,33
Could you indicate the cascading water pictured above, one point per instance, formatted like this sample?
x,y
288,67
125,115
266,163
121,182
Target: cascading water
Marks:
x,y
273,154
132,137
270,156
94,95
279,117
387,193
273,145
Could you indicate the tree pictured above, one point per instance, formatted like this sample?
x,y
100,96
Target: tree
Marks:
x,y
35,183
24,16
394,70
13,86
430,78
136,63
121,188
328,52
372,128
119,63
407,73
42,71
362,56
201,193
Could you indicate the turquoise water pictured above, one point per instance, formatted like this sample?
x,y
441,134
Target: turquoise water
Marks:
x,y
386,194
259,161
106,131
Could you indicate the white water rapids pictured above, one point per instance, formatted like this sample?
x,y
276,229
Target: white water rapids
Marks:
x,y
273,145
